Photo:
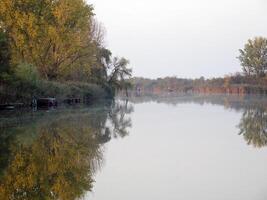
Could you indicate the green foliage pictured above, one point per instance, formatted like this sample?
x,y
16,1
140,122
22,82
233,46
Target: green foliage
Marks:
x,y
253,57
24,90
27,73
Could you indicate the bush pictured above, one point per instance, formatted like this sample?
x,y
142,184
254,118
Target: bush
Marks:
x,y
24,90
27,73
85,90
25,84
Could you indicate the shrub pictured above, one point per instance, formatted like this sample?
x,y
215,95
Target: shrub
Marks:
x,y
25,84
27,73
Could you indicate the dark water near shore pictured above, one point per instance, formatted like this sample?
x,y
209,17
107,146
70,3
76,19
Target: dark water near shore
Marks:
x,y
198,147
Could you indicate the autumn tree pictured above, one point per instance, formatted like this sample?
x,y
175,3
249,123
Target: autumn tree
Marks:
x,y
59,41
253,57
53,35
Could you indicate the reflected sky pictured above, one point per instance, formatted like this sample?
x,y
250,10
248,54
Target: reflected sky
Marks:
x,y
188,148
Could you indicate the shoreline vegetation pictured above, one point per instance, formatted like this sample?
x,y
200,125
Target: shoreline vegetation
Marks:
x,y
237,84
56,49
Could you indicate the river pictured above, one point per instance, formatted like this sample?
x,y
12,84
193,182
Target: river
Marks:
x,y
186,147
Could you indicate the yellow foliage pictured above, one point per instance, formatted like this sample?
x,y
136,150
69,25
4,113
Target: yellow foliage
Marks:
x,y
53,35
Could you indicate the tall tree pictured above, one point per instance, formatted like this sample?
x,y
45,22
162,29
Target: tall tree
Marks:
x,y
54,35
120,73
253,57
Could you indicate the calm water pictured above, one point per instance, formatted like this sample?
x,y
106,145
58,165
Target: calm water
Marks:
x,y
206,148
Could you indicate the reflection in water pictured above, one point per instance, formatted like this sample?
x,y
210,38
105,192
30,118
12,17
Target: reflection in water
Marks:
x,y
253,123
56,157
253,126
55,154
58,165
119,120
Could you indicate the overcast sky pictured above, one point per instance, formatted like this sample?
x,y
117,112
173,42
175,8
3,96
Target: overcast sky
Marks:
x,y
183,38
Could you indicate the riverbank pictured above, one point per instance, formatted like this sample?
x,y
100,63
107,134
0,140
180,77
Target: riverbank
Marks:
x,y
237,84
233,89
43,55
17,91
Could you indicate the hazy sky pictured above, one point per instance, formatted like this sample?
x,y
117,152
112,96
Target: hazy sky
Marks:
x,y
183,38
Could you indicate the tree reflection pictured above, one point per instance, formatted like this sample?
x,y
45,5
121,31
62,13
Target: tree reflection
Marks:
x,y
253,123
59,164
119,119
253,126
57,158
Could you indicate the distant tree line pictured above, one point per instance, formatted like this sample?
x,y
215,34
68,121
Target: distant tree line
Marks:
x,y
55,41
253,59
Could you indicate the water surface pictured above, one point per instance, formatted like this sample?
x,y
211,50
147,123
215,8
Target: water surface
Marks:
x,y
198,147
